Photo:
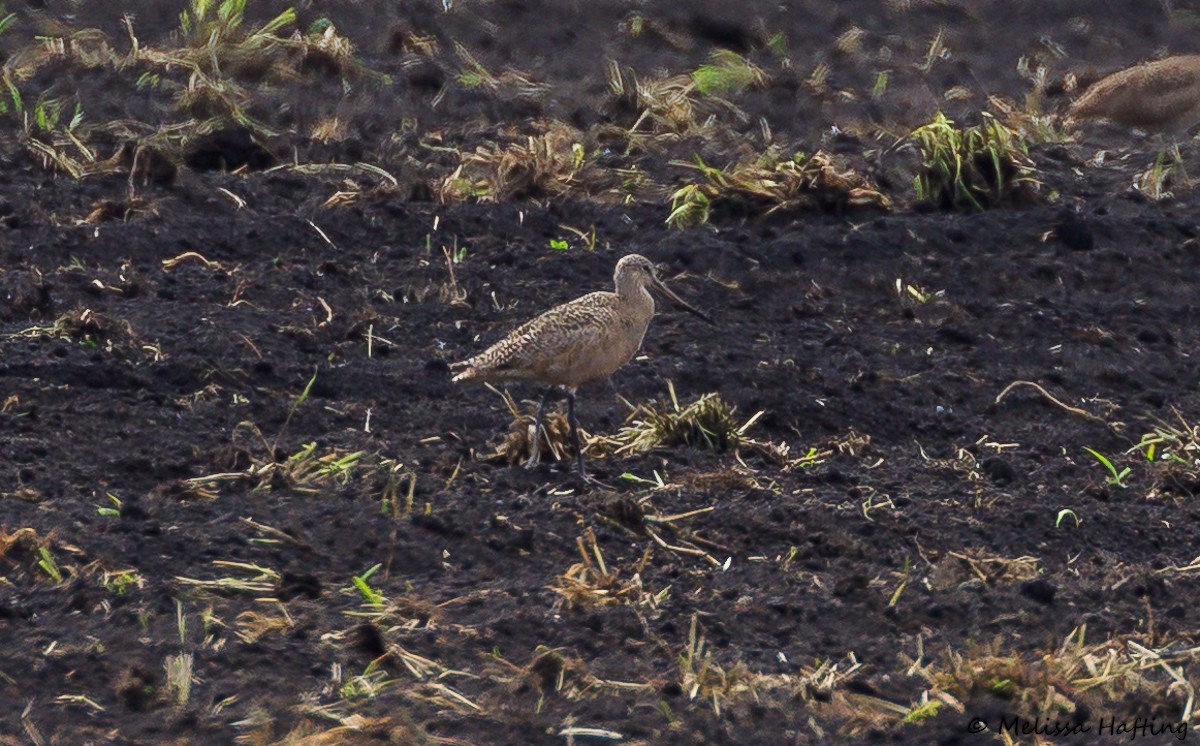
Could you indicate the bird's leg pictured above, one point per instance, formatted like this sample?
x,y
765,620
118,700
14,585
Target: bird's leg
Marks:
x,y
573,421
535,444
586,480
616,399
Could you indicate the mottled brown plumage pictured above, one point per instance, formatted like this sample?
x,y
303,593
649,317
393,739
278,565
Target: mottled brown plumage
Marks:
x,y
583,340
1160,97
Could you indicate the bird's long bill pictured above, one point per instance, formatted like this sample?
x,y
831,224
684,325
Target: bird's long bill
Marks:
x,y
666,291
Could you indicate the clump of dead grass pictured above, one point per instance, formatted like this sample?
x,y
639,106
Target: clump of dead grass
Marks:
x,y
593,583
327,727
23,540
669,108
121,210
552,163
260,463
708,423
1030,119
93,329
510,83
90,327
517,444
955,568
770,183
214,37
703,677
1075,677
209,70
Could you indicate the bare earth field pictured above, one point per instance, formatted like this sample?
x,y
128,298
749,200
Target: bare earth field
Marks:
x,y
241,501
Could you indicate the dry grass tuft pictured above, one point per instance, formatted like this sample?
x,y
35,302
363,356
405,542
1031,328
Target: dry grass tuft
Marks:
x,y
769,184
1166,178
659,105
708,422
553,163
1076,677
674,107
348,730
91,327
508,84
956,568
213,36
555,443
593,583
209,70
322,47
252,625
702,677
23,541
122,210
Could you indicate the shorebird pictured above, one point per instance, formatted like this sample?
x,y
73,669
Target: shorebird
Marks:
x,y
583,340
1160,97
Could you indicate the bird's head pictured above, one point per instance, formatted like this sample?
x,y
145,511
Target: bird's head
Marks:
x,y
635,272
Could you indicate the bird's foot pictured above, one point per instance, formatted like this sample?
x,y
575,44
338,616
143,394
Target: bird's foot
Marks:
x,y
587,482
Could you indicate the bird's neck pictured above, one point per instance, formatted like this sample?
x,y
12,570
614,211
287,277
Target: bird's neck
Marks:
x,y
635,294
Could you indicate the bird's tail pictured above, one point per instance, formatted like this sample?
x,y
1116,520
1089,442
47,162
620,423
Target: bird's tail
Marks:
x,y
466,372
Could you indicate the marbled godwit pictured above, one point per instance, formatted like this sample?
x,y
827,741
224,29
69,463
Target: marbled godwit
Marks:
x,y
583,340
1160,97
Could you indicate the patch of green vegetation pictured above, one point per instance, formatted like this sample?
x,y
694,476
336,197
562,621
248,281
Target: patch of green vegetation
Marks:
x,y
980,166
778,44
110,512
879,88
727,72
1172,450
369,594
922,712
1064,514
1115,477
49,565
120,581
368,684
216,25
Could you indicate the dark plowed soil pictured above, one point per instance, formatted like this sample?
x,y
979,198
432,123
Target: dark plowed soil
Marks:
x,y
192,358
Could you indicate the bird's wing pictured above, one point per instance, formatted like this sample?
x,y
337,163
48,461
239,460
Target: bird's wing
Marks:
x,y
561,332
